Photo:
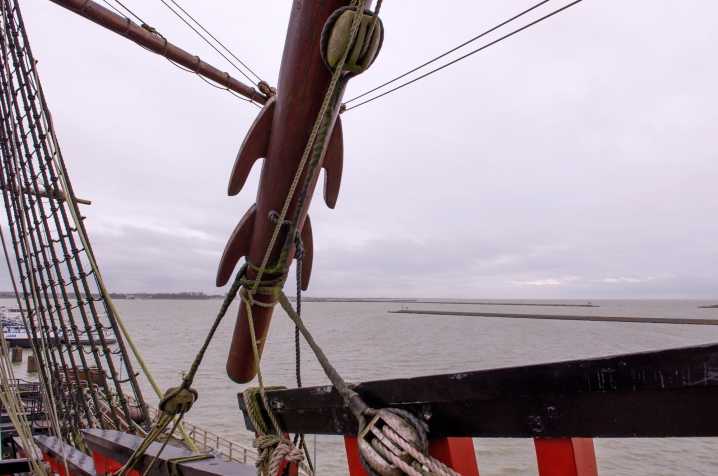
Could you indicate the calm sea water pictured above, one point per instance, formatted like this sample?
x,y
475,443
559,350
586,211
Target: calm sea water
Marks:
x,y
365,342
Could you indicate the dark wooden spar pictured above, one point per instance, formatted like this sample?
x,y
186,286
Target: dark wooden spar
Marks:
x,y
666,393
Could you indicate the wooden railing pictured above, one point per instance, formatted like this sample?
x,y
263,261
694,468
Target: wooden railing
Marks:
x,y
207,441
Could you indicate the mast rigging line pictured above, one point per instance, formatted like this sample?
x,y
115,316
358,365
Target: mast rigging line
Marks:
x,y
450,51
215,39
123,26
462,57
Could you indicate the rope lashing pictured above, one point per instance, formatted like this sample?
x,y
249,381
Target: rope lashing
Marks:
x,y
299,254
272,449
178,400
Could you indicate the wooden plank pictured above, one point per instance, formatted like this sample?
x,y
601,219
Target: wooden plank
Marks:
x,y
559,317
667,393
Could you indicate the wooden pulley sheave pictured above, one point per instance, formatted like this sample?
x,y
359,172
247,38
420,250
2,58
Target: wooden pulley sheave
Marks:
x,y
378,449
367,43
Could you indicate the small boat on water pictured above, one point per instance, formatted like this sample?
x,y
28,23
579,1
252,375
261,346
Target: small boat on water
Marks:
x,y
16,336
85,340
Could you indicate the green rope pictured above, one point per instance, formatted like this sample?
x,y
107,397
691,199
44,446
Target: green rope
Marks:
x,y
172,464
252,397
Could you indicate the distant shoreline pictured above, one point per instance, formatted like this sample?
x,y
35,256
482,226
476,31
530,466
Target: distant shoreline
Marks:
x,y
558,317
416,301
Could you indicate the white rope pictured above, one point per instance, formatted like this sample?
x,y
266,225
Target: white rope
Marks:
x,y
12,402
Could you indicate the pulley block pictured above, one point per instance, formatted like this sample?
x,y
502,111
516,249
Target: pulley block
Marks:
x,y
366,46
377,445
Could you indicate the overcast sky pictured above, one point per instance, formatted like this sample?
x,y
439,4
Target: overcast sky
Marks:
x,y
574,160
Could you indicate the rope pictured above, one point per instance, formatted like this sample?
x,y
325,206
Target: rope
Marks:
x,y
48,394
450,51
360,409
106,294
12,403
172,464
465,56
318,147
251,397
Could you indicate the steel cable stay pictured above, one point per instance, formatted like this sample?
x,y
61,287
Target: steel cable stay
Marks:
x,y
449,52
257,81
565,7
228,83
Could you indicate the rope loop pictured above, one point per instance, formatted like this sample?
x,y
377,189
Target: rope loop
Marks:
x,y
178,400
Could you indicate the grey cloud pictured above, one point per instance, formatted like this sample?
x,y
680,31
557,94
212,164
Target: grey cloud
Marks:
x,y
577,159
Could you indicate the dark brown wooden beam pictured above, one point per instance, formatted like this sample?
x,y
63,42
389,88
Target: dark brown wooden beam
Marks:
x,y
667,393
153,42
12,466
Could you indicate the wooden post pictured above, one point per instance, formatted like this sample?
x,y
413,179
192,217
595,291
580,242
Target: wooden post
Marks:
x,y
16,354
31,364
456,453
355,467
565,457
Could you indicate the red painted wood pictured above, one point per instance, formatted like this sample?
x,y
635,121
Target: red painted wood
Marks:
x,y
104,465
456,453
355,467
565,457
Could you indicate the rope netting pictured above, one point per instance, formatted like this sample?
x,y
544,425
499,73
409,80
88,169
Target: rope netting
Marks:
x,y
70,321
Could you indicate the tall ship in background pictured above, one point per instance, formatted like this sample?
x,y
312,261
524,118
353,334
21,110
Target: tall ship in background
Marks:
x,y
87,414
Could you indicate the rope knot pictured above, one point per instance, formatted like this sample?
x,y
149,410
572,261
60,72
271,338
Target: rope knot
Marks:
x,y
178,400
299,254
272,450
